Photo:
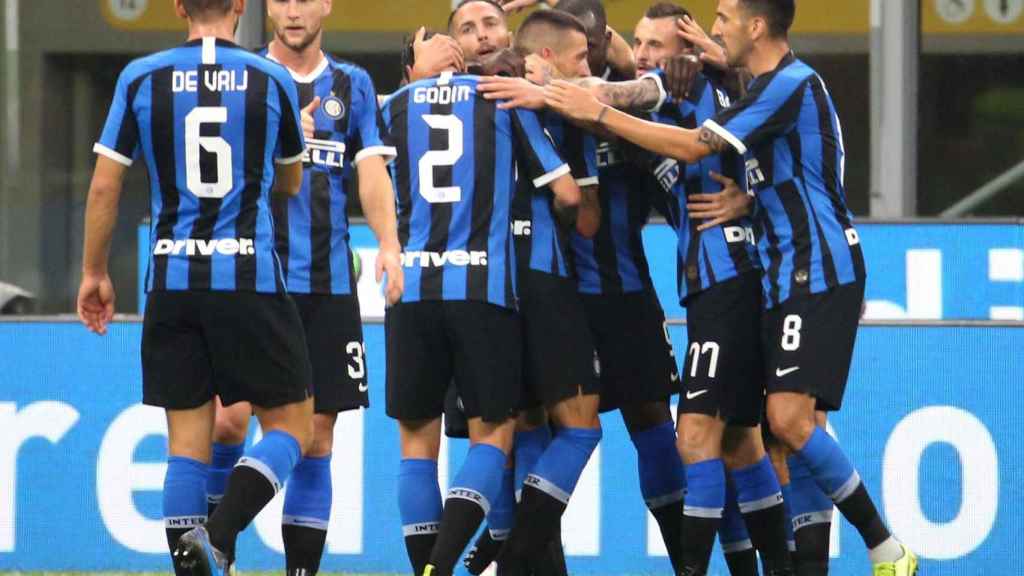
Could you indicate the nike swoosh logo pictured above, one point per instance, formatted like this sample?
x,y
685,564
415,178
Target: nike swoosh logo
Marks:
x,y
779,372
364,387
697,394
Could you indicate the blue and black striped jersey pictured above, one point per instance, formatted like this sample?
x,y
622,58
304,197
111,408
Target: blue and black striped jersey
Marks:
x,y
541,243
312,228
613,261
210,119
455,177
720,253
788,129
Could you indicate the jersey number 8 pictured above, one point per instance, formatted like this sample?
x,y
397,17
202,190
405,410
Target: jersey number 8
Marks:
x,y
215,145
428,188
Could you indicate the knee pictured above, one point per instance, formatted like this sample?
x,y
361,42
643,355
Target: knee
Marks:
x,y
231,424
792,427
741,447
322,443
698,439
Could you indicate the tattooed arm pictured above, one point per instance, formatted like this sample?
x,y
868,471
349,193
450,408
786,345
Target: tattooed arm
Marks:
x,y
643,95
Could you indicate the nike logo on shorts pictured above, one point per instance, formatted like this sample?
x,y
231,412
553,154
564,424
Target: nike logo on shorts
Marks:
x,y
363,387
697,394
779,372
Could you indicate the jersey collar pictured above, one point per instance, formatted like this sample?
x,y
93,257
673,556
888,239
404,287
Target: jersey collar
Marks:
x,y
308,78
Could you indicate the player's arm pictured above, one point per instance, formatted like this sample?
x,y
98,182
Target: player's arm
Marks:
x,y
96,293
377,197
679,143
588,216
288,178
291,145
720,207
376,193
433,56
620,56
567,200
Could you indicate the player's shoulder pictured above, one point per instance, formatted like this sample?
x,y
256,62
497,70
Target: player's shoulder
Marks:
x,y
793,70
445,88
341,66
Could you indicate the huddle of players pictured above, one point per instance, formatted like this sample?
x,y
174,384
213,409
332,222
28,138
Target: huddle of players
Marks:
x,y
475,173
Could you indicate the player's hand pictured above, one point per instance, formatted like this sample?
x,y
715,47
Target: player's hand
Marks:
x,y
712,52
572,101
96,302
517,92
540,71
308,124
389,264
728,205
680,72
436,55
505,62
517,6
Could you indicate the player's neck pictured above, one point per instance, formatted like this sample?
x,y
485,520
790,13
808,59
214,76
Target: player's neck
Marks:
x,y
223,29
767,56
302,62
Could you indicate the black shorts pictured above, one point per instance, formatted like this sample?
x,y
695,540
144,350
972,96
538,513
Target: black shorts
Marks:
x,y
558,351
430,343
722,372
808,341
334,334
636,360
241,346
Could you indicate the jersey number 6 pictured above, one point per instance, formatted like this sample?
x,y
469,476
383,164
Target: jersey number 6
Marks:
x,y
215,145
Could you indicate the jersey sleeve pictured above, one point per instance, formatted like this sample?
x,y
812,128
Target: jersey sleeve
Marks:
x,y
770,109
541,160
664,98
579,148
367,123
119,140
290,143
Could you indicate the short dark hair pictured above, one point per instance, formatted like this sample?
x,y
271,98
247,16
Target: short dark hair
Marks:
x,y
582,8
665,10
409,52
199,8
451,17
545,19
778,14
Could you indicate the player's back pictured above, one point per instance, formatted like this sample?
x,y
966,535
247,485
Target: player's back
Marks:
x,y
455,177
210,119
722,252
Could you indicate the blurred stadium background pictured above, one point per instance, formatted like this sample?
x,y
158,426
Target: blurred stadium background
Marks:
x,y
931,94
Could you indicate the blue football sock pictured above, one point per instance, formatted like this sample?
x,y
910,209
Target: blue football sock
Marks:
x,y
705,489
273,457
184,493
757,487
561,465
807,503
479,479
702,512
225,456
503,509
662,475
528,448
830,467
787,499
419,496
307,502
419,506
732,532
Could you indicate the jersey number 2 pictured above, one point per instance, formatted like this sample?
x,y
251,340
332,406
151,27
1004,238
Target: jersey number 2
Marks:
x,y
215,145
428,188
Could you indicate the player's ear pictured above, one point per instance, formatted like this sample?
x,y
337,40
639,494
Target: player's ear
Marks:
x,y
328,6
239,7
179,9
